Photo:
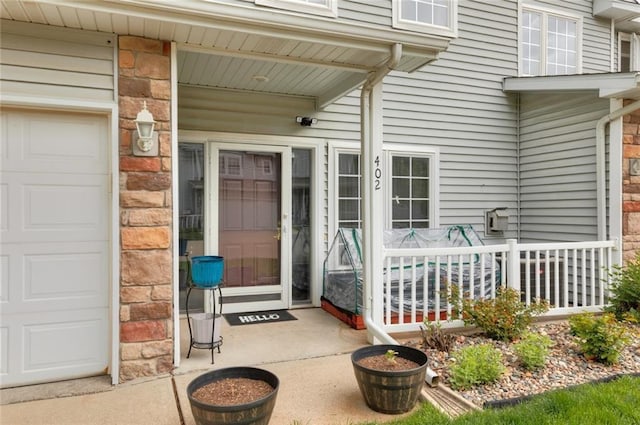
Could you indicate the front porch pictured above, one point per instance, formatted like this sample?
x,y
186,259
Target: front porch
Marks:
x,y
310,356
314,334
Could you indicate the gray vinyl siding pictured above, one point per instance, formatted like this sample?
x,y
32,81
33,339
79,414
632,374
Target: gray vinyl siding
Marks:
x,y
457,104
558,166
43,61
366,12
374,13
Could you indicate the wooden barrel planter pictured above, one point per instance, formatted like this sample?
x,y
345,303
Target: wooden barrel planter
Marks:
x,y
257,412
390,391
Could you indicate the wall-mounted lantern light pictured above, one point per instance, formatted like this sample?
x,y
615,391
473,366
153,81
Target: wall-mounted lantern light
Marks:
x,y
145,140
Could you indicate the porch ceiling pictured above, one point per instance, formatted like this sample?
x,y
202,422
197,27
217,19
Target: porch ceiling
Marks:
x,y
243,48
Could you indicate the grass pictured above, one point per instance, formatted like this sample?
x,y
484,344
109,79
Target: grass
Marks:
x,y
615,402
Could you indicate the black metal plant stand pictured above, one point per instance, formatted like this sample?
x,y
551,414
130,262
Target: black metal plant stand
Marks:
x,y
213,344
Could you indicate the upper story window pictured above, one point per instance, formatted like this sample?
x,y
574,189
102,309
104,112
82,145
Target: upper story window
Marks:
x,y
549,43
313,7
628,52
433,16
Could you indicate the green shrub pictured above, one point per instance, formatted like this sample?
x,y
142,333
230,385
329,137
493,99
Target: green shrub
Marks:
x,y
601,338
475,365
625,291
503,318
532,350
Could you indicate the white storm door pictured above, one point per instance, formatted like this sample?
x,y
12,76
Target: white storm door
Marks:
x,y
250,208
54,249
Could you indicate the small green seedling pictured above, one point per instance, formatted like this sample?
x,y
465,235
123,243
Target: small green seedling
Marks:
x,y
391,356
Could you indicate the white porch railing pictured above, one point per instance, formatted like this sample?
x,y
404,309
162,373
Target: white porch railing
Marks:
x,y
572,276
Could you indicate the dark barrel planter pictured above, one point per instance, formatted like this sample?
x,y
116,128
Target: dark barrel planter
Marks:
x,y
390,391
255,413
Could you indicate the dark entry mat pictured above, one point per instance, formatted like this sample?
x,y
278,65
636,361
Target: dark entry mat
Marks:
x,y
271,316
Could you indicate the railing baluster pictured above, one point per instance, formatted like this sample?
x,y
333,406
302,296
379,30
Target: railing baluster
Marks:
x,y
583,278
413,289
537,271
592,274
603,276
471,281
527,278
575,276
401,291
425,289
387,288
547,272
436,285
458,284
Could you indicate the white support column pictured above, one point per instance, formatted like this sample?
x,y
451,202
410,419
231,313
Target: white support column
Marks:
x,y
372,201
616,144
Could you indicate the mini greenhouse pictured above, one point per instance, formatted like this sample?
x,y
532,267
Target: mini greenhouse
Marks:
x,y
342,281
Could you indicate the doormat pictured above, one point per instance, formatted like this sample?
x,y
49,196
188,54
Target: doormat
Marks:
x,y
236,319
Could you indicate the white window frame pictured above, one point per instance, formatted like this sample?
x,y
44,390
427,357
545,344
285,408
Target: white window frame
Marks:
x,y
634,51
330,9
389,150
545,13
389,199
450,30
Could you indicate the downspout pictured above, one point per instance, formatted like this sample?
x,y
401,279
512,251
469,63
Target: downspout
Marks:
x,y
601,179
518,176
371,146
372,240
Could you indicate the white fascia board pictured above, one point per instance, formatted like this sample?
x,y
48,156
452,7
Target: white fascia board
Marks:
x,y
258,20
607,85
615,9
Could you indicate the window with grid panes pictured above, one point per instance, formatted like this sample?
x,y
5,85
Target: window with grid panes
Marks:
x,y
549,43
349,190
407,195
433,16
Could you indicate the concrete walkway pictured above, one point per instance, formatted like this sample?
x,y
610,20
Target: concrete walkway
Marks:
x,y
310,356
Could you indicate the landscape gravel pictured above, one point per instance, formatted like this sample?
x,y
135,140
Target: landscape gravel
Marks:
x,y
565,365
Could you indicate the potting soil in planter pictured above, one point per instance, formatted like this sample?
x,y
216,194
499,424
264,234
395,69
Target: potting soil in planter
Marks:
x,y
381,362
387,386
256,412
232,391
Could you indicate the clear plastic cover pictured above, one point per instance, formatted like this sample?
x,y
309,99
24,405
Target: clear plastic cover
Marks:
x,y
342,283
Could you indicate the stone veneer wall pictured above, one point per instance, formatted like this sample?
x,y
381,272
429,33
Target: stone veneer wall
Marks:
x,y
631,187
146,323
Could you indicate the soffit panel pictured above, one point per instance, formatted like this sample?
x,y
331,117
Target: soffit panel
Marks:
x,y
226,57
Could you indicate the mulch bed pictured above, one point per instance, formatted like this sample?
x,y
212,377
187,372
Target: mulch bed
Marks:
x,y
232,391
566,366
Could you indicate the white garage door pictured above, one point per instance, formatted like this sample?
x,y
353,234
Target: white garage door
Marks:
x,y
54,246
